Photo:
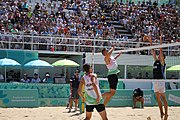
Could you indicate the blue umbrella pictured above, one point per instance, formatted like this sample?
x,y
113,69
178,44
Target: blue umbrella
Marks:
x,y
38,64
8,62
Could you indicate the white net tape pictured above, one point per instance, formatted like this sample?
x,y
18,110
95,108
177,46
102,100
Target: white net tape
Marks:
x,y
145,80
149,47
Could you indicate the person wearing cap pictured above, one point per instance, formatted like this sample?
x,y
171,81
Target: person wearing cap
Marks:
x,y
74,85
25,79
47,79
36,79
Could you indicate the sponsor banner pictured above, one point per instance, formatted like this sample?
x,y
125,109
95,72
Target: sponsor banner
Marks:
x,y
28,95
104,84
149,98
125,98
173,97
121,98
50,102
18,98
44,90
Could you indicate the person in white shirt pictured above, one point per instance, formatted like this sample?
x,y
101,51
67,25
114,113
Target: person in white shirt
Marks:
x,y
93,97
36,79
47,79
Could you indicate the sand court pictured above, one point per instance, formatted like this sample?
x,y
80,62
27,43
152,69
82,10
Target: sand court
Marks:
x,y
61,113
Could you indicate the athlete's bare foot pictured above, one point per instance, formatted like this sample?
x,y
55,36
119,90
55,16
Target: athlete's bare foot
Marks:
x,y
165,116
162,115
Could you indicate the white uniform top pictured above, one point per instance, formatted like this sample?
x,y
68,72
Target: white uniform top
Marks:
x,y
90,93
112,66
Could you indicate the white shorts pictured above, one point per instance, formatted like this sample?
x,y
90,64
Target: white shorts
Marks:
x,y
159,87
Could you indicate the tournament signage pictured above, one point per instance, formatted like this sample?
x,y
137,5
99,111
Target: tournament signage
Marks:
x,y
34,95
48,94
124,98
18,98
173,97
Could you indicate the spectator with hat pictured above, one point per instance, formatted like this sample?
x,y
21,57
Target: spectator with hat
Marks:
x,y
47,79
36,79
25,79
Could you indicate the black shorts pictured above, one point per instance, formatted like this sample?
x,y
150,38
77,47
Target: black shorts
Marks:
x,y
75,94
138,99
99,108
113,80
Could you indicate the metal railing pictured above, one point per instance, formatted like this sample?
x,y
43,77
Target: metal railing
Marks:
x,y
75,44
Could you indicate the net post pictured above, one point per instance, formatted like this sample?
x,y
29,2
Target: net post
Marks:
x,y
82,103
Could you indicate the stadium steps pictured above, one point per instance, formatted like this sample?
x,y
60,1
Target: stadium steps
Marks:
x,y
108,18
128,35
121,29
118,27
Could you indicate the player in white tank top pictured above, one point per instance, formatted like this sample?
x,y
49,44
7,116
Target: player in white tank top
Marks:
x,y
90,93
112,66
93,97
112,73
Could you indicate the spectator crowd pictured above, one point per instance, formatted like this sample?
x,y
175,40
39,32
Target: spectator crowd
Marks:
x,y
86,19
65,18
147,18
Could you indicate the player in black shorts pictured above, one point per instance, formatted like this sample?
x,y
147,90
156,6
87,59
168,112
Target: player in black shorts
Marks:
x,y
93,97
112,73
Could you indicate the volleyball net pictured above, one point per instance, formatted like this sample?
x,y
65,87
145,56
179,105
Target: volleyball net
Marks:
x,y
137,69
